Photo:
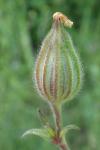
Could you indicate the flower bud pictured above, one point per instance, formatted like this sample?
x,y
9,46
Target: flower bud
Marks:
x,y
58,71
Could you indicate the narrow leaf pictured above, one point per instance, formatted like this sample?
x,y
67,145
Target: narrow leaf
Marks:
x,y
67,128
43,133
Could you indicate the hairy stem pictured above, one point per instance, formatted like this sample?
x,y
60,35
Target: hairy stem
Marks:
x,y
60,141
63,145
57,117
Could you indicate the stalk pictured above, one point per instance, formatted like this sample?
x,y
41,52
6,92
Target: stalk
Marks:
x,y
58,140
63,145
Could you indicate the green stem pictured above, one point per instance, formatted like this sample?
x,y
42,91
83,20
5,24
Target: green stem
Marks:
x,y
57,117
56,109
63,145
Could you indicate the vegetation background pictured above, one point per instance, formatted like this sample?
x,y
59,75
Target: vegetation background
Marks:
x,y
23,25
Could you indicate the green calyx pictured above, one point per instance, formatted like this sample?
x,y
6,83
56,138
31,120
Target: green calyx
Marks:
x,y
58,71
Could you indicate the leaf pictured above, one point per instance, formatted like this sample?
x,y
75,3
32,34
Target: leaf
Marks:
x,y
67,128
43,133
43,114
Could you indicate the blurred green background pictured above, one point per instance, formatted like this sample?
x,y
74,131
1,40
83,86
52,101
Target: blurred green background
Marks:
x,y
23,25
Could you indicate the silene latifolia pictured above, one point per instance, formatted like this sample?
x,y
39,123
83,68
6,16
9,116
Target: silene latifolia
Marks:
x,y
58,77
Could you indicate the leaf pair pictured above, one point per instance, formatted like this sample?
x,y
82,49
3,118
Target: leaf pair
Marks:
x,y
49,133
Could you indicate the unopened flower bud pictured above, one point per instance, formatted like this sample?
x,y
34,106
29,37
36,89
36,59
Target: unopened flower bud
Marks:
x,y
58,72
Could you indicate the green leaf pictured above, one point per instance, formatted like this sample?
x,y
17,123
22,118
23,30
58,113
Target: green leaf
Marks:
x,y
67,128
43,133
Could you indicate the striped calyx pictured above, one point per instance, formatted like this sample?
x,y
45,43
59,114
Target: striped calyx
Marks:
x,y
58,73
